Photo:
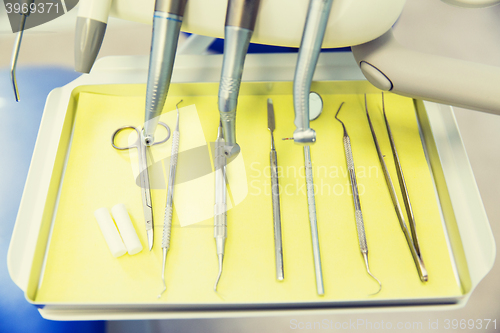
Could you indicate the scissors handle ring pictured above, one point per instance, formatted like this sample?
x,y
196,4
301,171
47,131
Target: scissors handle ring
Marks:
x,y
168,136
118,131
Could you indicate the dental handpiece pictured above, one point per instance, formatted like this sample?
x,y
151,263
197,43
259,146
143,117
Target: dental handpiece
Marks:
x,y
240,22
360,226
220,207
167,23
167,221
310,48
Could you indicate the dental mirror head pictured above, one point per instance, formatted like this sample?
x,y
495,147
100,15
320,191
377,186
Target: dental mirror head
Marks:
x,y
315,105
308,135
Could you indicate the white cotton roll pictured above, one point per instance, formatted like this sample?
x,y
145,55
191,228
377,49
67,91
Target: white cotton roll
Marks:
x,y
127,230
110,233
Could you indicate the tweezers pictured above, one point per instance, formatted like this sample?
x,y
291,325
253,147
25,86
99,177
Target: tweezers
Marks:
x,y
411,238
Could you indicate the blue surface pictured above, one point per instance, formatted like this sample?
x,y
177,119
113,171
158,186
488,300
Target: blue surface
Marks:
x,y
20,123
218,47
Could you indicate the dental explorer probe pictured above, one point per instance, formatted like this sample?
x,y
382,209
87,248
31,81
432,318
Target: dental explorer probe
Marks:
x,y
240,22
167,221
167,23
278,246
220,218
422,271
355,196
310,48
17,45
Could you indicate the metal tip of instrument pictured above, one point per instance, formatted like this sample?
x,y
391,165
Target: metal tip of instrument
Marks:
x,y
270,120
280,275
365,256
177,107
164,289
270,115
336,117
15,54
150,239
337,114
221,256
287,139
14,84
424,277
165,250
220,132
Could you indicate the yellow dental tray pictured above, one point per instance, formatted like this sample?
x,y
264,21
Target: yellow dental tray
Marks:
x,y
72,270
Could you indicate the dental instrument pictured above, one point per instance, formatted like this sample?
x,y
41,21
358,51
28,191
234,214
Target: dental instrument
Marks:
x,y
278,246
402,184
316,103
167,23
360,226
412,242
91,23
143,174
17,45
167,221
313,220
220,217
310,47
240,22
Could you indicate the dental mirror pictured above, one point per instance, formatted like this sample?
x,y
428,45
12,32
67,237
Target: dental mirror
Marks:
x,y
315,105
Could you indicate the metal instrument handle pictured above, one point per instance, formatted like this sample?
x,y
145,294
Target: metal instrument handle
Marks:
x,y
310,184
137,142
115,133
167,225
357,205
220,207
166,138
402,183
276,215
313,220
173,167
167,222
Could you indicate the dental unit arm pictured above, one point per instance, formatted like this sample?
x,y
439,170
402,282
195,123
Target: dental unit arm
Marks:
x,y
390,66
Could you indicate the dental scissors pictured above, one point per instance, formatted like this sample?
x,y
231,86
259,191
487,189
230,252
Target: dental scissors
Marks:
x,y
143,174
